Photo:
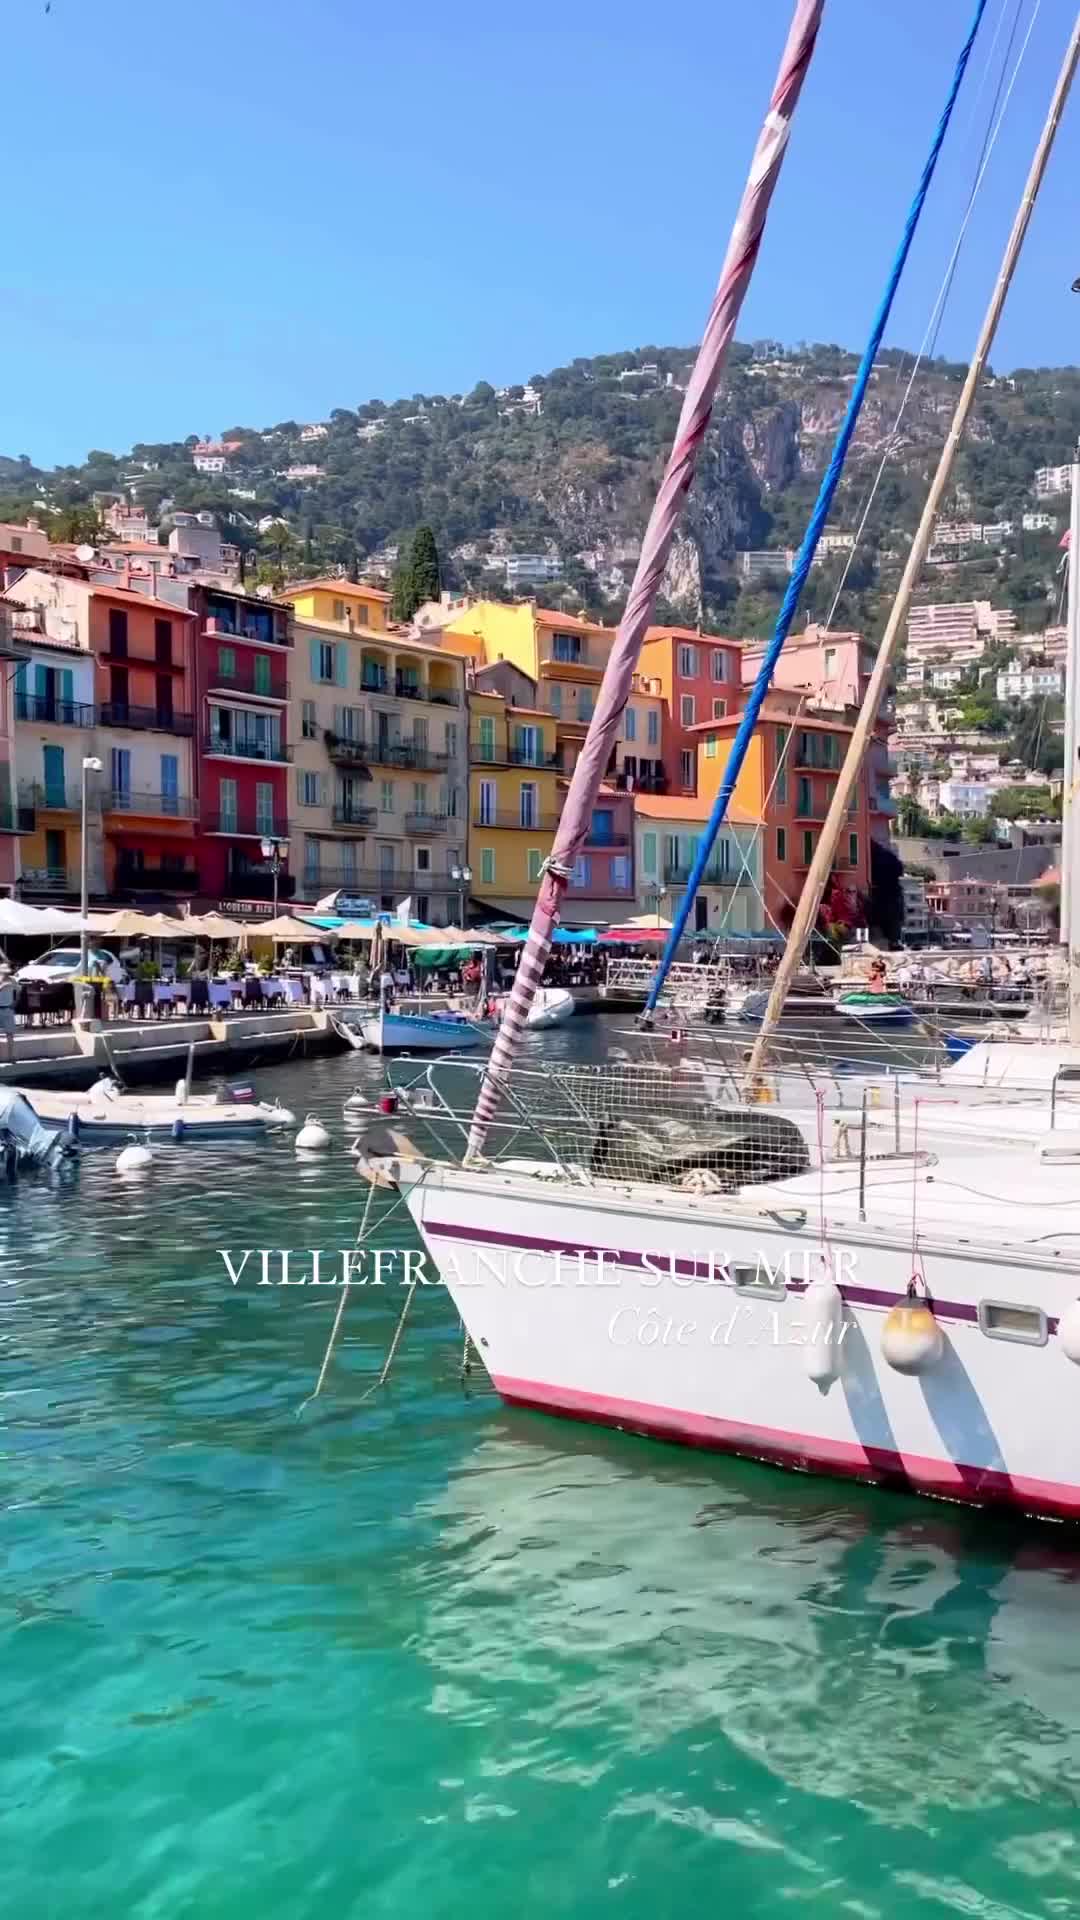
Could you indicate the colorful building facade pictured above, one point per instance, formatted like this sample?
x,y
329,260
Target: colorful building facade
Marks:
x,y
380,776
669,831
787,781
514,801
245,649
699,678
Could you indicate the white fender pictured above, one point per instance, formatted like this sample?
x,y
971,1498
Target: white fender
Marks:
x,y
312,1137
825,1317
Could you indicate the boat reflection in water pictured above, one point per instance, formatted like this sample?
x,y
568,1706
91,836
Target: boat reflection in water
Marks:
x,y
796,1646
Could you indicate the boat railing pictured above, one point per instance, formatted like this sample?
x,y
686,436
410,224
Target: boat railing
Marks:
x,y
698,1125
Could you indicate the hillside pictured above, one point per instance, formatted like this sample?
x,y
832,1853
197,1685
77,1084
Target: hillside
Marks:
x,y
565,469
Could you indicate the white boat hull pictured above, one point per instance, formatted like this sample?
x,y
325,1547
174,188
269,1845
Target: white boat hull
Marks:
x,y
647,1330
115,1118
421,1033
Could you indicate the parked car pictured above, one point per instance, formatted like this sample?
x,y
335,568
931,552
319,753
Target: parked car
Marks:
x,y
61,964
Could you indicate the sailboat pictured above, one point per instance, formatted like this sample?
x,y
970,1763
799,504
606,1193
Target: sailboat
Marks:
x,y
891,1293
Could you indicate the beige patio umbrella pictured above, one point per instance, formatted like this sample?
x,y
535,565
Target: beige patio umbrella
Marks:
x,y
155,926
654,921
213,926
286,927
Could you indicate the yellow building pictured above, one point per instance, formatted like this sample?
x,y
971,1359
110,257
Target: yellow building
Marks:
x,y
566,657
514,800
341,603
379,805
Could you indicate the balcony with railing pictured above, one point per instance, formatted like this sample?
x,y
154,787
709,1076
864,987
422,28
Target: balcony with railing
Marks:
x,y
50,880
231,620
367,880
350,816
121,713
39,707
613,842
257,883
538,823
427,822
246,823
171,806
132,880
258,674
53,797
383,753
677,874
244,747
533,757
17,816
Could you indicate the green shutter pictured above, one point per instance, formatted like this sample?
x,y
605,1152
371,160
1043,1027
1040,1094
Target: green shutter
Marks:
x,y
315,650
648,852
67,685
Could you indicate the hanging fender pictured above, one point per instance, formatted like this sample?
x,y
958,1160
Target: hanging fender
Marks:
x,y
911,1340
825,1314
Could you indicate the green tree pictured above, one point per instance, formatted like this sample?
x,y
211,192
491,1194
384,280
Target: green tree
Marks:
x,y
417,576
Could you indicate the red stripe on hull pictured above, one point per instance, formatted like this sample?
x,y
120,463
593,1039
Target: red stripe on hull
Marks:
x,y
805,1453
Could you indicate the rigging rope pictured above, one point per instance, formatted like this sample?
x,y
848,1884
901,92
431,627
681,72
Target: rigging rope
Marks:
x,y
740,259
805,557
937,311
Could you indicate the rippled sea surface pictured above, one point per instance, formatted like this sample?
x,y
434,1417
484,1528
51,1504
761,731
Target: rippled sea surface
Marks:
x,y
420,1656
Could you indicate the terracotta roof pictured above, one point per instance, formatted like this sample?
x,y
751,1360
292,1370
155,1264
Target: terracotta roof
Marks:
x,y
797,715
686,806
133,599
568,622
358,589
692,637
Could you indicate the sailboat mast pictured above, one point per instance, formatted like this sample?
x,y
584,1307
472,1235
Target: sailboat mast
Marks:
x,y
1070,799
817,879
739,263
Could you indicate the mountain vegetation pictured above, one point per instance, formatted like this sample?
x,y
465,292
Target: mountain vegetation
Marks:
x,y
566,468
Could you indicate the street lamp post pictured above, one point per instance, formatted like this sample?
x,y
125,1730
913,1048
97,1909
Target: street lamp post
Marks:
x,y
463,877
89,765
275,852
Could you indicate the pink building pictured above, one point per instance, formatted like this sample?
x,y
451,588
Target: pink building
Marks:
x,y
602,883
834,669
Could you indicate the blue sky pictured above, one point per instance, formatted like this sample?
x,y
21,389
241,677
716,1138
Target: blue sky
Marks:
x,y
240,213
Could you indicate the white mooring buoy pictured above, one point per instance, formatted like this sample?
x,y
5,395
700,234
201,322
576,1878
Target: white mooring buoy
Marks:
x,y
312,1137
133,1159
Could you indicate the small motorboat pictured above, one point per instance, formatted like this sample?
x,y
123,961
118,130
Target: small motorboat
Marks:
x,y
105,1113
550,1007
24,1141
875,1009
422,1032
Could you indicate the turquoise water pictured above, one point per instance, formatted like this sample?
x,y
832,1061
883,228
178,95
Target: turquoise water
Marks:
x,y
422,1656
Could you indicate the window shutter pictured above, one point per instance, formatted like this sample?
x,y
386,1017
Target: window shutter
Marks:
x,y
315,674
341,665
67,685
339,721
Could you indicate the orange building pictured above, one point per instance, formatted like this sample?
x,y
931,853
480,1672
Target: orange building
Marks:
x,y
699,676
787,780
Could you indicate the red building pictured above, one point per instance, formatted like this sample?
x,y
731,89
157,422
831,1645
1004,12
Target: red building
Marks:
x,y
243,645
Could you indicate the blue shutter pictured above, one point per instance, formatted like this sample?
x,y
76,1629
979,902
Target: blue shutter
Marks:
x,y
53,758
341,665
315,674
41,682
67,686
